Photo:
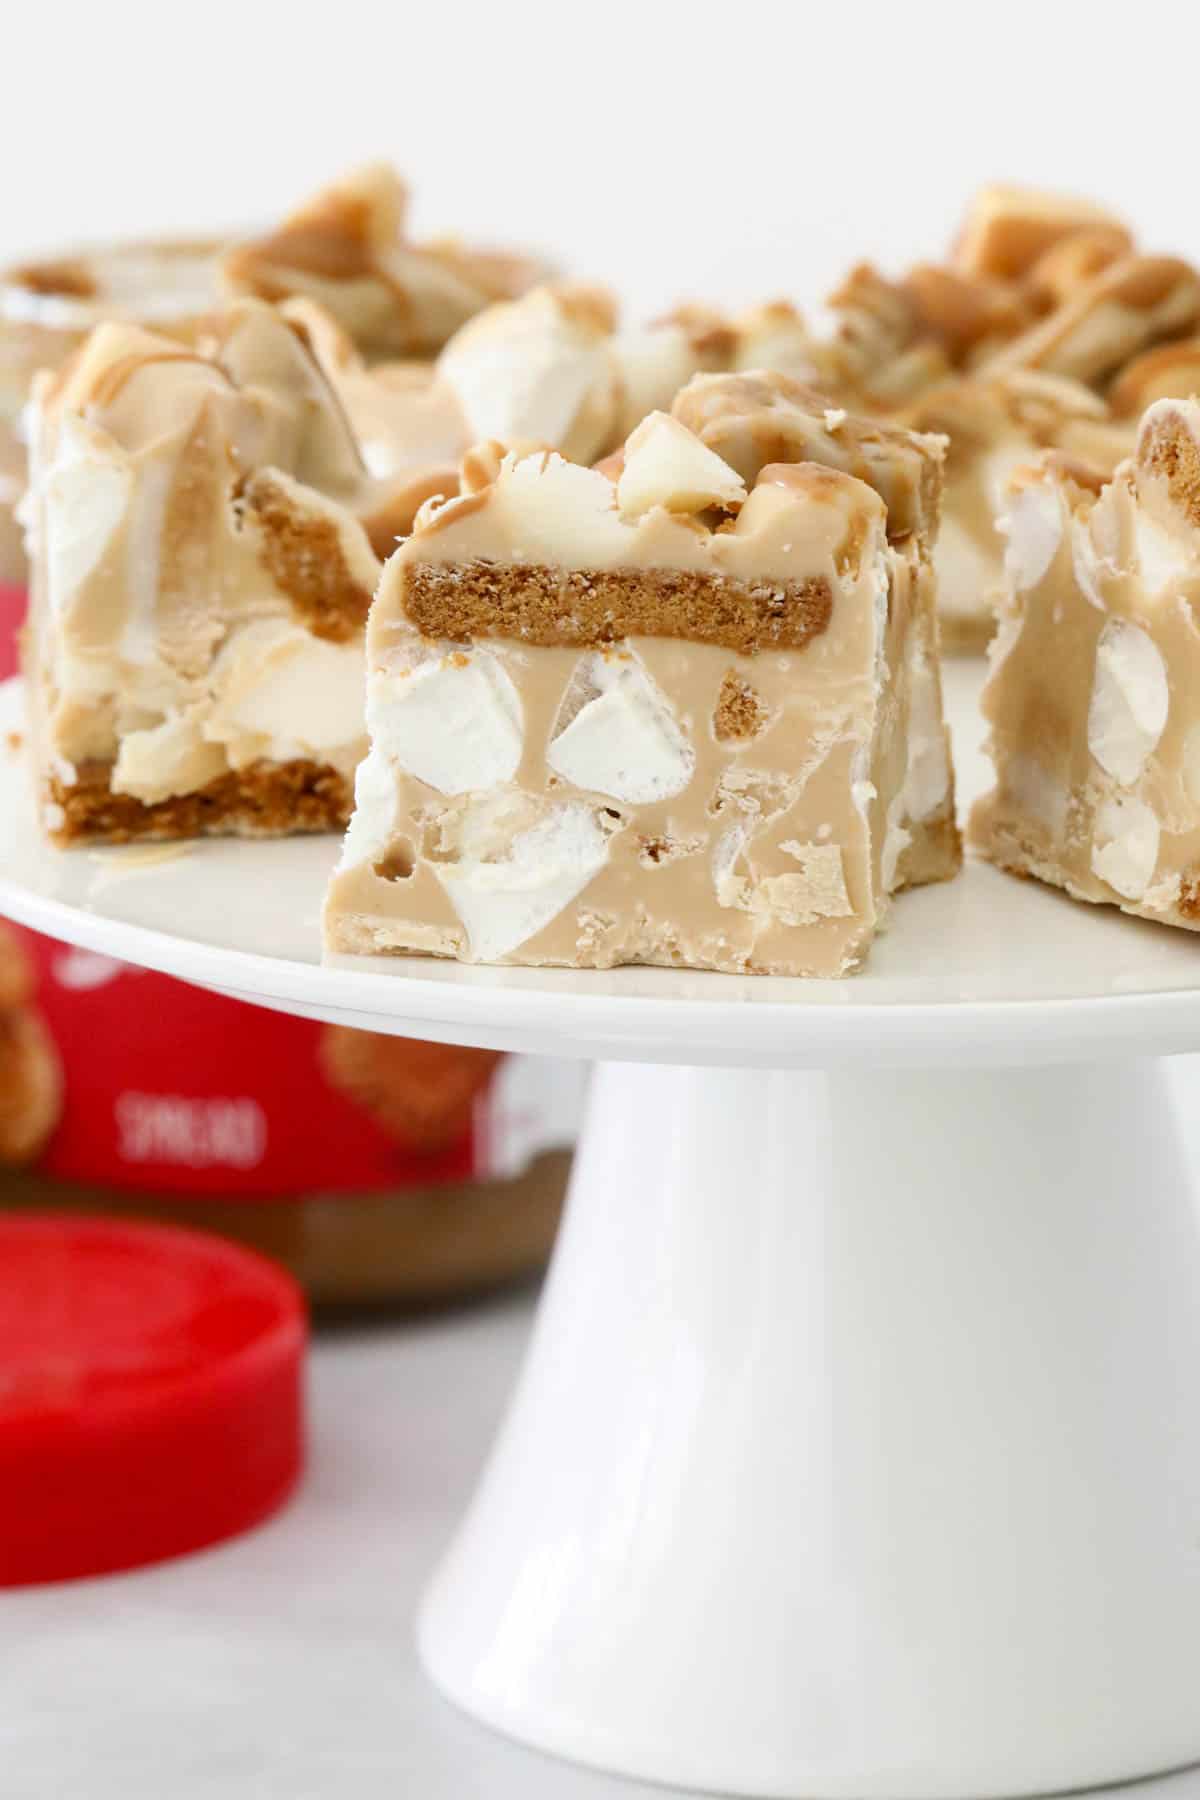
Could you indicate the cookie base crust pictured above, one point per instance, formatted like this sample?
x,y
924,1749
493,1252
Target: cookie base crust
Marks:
x,y
264,800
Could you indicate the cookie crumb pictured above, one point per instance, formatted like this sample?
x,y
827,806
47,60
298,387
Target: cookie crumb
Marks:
x,y
740,712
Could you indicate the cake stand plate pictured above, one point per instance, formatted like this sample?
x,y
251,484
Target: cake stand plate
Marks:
x,y
857,1451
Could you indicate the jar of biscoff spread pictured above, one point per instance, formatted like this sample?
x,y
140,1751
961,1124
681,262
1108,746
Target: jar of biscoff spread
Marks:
x,y
376,1168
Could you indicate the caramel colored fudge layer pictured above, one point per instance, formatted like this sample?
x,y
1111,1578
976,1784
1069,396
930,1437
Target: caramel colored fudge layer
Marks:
x,y
1095,685
688,717
200,587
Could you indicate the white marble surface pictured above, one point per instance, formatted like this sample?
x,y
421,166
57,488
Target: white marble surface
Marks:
x,y
281,1666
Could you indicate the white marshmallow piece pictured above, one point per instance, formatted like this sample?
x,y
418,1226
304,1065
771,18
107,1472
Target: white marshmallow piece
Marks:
x,y
1125,849
375,819
1164,557
553,511
504,902
653,363
1033,526
1130,700
165,759
1039,792
454,721
625,742
528,372
667,465
280,692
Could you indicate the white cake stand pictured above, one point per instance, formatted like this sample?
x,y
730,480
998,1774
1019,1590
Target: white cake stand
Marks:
x,y
858,1447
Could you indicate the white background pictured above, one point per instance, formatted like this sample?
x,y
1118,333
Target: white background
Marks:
x,y
728,151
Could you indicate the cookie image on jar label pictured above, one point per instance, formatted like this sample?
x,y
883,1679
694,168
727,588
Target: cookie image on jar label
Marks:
x,y
31,1083
421,1094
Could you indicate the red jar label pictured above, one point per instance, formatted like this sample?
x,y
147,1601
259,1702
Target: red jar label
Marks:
x,y
163,1086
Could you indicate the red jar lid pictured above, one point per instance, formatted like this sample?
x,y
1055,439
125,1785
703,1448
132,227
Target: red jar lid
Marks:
x,y
151,1394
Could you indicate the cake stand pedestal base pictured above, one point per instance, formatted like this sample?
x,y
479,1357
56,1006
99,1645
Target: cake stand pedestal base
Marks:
x,y
857,1451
